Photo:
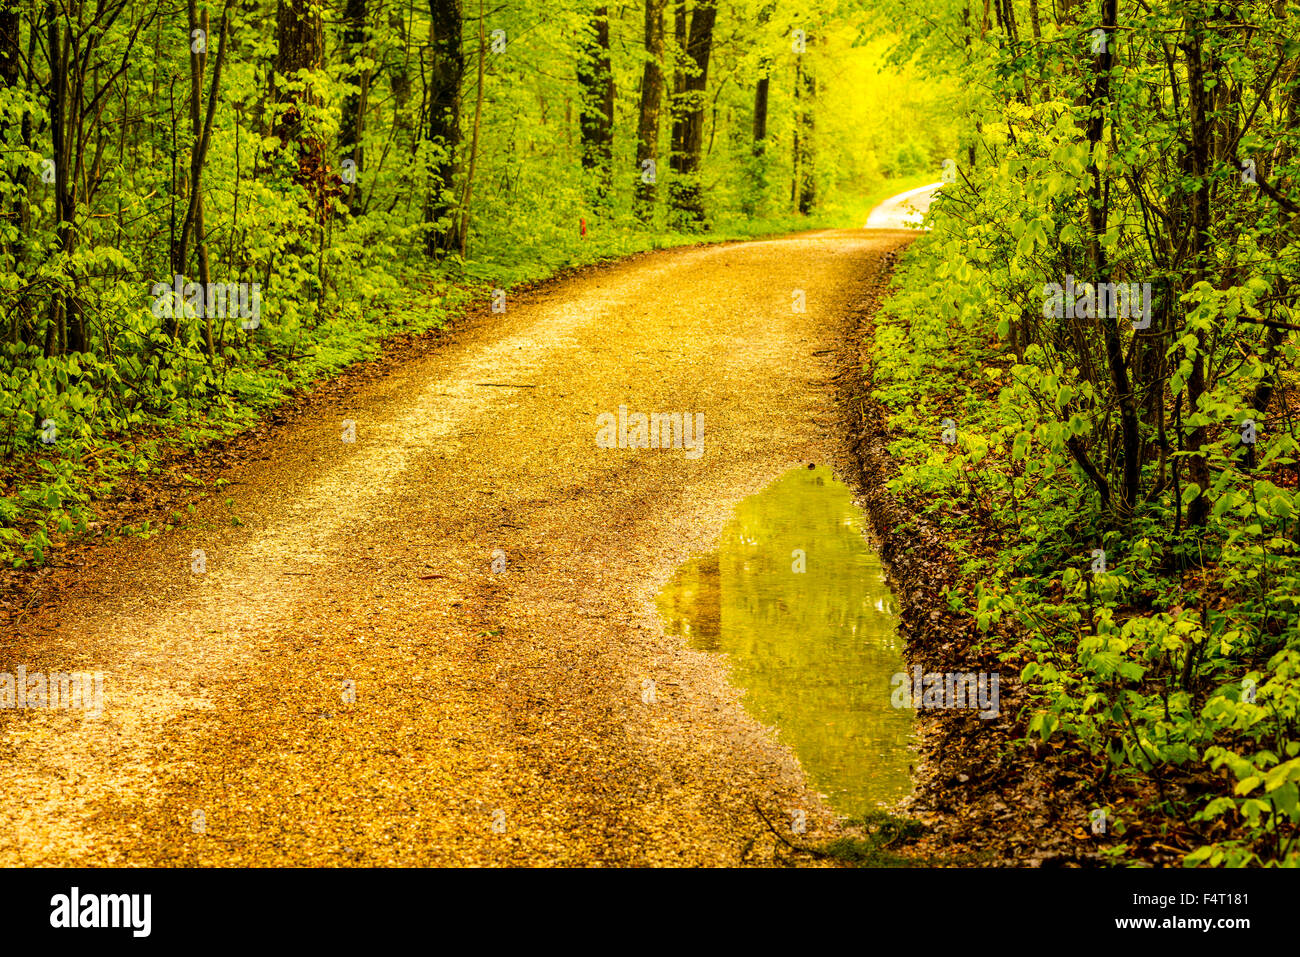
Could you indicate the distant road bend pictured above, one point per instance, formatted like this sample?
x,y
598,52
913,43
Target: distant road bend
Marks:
x,y
905,210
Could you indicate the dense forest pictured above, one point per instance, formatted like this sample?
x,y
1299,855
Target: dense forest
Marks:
x,y
205,205
1092,364
1088,359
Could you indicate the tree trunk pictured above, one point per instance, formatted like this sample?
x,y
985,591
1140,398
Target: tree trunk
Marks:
x,y
596,117
752,199
12,255
66,326
761,91
807,96
73,89
1098,215
652,95
9,47
796,149
300,45
473,146
198,64
353,122
446,72
201,127
679,52
688,120
1198,156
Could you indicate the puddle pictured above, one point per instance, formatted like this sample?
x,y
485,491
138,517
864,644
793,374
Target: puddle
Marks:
x,y
815,650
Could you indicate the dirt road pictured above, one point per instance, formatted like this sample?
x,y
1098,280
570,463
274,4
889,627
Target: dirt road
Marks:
x,y
502,715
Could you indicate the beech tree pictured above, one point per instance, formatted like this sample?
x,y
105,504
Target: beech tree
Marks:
x,y
652,96
688,120
596,114
446,72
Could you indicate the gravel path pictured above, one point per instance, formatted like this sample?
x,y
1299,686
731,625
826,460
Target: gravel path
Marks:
x,y
905,210
499,716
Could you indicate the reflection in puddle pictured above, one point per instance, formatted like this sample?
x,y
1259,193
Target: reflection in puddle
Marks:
x,y
815,650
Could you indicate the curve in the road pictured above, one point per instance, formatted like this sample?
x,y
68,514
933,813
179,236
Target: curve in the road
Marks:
x,y
499,713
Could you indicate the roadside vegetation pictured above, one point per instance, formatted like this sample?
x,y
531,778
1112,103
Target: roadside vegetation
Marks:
x,y
1118,475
